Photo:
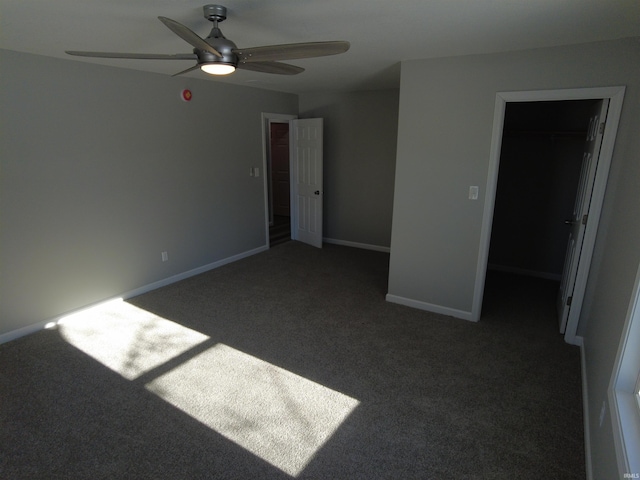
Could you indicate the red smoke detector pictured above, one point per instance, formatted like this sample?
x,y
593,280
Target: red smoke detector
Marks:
x,y
186,95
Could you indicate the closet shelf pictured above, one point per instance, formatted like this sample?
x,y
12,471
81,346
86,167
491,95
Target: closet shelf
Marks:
x,y
546,133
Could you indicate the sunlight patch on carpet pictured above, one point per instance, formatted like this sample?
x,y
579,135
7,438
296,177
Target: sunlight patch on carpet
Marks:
x,y
127,339
276,415
279,416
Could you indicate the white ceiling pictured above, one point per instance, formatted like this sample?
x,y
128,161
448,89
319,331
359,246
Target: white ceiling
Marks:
x,y
382,32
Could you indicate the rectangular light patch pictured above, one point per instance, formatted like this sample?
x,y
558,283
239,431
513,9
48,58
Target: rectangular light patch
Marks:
x,y
127,339
279,416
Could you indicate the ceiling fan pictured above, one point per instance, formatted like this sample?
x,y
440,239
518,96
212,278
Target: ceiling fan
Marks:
x,y
217,55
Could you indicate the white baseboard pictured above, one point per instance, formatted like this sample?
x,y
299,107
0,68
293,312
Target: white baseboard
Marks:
x,y
21,332
529,273
585,408
408,302
365,246
191,273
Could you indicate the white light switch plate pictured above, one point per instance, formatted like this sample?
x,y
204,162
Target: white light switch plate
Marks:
x,y
473,193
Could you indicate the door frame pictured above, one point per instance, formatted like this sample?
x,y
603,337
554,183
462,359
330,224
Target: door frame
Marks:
x,y
616,97
267,120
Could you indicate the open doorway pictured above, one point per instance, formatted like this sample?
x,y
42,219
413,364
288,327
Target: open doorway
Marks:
x,y
540,169
610,100
279,185
304,158
276,144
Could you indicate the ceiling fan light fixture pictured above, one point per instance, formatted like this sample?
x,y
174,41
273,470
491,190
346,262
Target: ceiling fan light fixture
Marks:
x,y
217,68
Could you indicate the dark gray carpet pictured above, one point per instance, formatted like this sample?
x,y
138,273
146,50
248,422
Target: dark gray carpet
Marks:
x,y
439,398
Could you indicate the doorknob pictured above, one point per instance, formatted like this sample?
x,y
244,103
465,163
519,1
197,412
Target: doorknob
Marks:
x,y
317,192
569,222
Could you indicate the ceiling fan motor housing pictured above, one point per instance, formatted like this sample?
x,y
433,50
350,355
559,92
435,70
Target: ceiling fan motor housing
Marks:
x,y
216,13
224,46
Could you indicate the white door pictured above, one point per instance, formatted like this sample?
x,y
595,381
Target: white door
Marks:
x,y
580,216
306,149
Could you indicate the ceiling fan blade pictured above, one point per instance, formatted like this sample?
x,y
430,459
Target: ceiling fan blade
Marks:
x,y
189,36
291,51
139,56
271,67
186,71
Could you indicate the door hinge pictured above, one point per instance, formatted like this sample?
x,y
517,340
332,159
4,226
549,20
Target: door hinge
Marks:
x,y
601,128
585,217
569,300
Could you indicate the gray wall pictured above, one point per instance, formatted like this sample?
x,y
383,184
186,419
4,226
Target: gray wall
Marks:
x,y
360,131
444,136
104,168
